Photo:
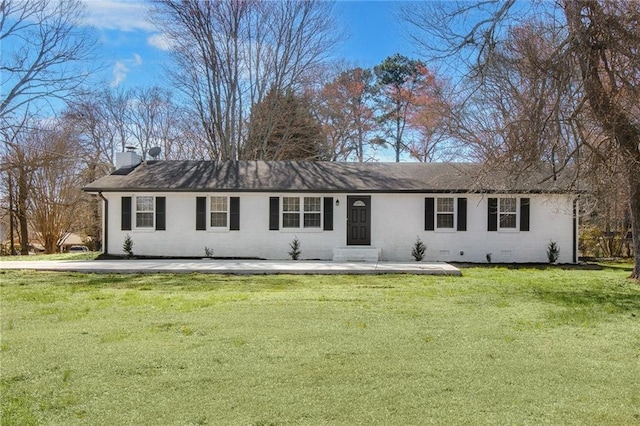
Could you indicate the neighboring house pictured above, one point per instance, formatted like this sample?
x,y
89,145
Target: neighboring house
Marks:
x,y
69,240
340,211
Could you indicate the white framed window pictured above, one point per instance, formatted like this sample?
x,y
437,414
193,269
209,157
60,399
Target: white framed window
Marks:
x,y
507,213
144,212
218,212
290,212
312,212
305,212
445,213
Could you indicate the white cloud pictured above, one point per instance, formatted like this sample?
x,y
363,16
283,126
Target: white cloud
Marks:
x,y
123,15
137,60
159,41
121,69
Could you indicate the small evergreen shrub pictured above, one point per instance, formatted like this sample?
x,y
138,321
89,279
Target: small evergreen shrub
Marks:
x,y
418,250
295,249
553,252
127,246
489,257
208,252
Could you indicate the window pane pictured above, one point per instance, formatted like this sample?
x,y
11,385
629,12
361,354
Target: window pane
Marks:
x,y
290,204
507,220
312,220
218,219
445,220
507,205
144,220
311,204
218,212
144,212
445,205
218,204
290,220
144,204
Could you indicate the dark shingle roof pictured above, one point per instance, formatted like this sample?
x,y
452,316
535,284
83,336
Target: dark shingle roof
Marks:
x,y
293,176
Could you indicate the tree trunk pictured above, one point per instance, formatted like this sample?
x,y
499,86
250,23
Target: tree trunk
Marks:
x,y
49,243
21,211
12,246
634,205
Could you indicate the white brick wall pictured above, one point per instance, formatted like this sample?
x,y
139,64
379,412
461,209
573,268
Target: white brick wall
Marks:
x,y
396,221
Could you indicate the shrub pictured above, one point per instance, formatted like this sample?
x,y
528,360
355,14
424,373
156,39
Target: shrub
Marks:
x,y
553,252
127,246
208,252
418,250
295,249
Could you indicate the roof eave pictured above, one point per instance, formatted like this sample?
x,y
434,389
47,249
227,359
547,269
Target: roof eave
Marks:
x,y
338,190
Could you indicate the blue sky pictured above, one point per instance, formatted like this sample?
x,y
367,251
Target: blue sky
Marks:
x,y
132,49
373,31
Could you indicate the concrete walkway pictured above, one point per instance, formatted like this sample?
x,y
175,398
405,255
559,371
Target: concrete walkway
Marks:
x,y
256,267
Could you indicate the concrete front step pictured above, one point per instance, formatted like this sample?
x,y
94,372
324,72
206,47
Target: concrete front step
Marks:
x,y
356,254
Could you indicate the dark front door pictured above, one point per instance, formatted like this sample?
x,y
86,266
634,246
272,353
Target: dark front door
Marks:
x,y
358,220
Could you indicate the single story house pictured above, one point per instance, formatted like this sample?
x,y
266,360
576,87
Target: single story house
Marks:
x,y
343,211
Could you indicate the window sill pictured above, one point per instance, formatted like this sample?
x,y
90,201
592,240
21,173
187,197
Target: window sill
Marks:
x,y
301,230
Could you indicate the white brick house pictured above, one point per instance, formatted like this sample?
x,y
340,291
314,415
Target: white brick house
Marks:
x,y
254,209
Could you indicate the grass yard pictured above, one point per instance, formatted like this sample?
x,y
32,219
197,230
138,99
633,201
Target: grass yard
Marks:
x,y
89,255
497,345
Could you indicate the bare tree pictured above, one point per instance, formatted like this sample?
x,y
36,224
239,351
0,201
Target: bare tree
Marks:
x,y
582,71
55,195
43,46
228,54
605,38
151,119
109,121
98,132
43,63
94,126
19,161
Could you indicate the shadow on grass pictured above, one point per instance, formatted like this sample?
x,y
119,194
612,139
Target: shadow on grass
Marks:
x,y
617,267
588,266
537,266
619,301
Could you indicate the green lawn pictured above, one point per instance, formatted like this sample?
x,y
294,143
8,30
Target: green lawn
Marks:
x,y
494,346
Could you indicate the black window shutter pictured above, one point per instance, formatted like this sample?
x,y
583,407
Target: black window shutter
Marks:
x,y
429,215
201,213
234,207
493,214
126,214
524,214
161,213
274,213
328,214
462,214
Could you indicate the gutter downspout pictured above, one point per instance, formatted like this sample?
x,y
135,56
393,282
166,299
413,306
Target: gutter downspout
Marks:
x,y
105,224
